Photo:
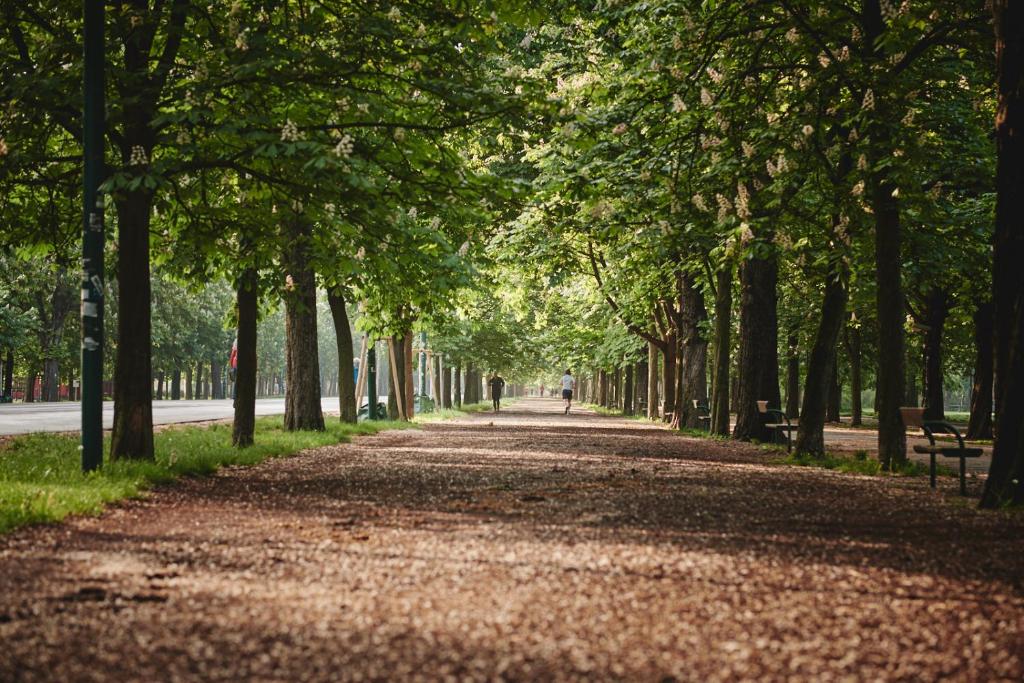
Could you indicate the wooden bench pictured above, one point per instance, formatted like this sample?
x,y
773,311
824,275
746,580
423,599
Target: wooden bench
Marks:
x,y
778,421
914,417
703,415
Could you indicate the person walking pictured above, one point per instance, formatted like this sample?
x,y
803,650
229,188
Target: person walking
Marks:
x,y
497,384
568,384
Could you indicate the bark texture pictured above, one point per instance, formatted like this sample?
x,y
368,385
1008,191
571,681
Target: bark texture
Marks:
x,y
1006,475
889,301
723,346
980,426
759,353
792,374
694,363
302,409
853,347
133,395
346,379
810,436
246,298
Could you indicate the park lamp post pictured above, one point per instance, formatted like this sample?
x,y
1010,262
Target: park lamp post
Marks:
x,y
93,115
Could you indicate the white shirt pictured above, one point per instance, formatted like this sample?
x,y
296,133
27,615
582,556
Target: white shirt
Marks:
x,y
568,382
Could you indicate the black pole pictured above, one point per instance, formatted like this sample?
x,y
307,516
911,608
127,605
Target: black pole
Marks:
x,y
92,240
371,379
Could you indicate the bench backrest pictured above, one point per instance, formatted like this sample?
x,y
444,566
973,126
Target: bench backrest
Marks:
x,y
762,407
912,417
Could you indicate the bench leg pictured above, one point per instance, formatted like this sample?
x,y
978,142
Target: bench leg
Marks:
x,y
932,470
963,476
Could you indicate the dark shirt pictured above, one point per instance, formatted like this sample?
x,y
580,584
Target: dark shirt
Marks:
x,y
497,383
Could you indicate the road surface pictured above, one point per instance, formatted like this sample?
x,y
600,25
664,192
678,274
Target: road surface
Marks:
x,y
22,418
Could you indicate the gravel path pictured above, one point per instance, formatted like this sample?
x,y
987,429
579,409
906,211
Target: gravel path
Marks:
x,y
527,545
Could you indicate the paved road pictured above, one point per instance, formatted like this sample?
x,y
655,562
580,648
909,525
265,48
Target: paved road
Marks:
x,y
22,418
527,545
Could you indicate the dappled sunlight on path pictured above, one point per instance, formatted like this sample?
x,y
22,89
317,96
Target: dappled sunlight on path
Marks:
x,y
525,544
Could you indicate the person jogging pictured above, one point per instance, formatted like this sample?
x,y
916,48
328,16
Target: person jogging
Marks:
x,y
568,384
497,384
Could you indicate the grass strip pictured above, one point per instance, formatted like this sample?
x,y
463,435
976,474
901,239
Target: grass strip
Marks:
x,y
41,479
462,411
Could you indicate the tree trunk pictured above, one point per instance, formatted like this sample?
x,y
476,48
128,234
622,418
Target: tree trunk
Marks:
x,y
936,312
889,300
856,382
652,381
397,404
9,376
980,426
302,384
668,376
457,385
1004,485
30,387
133,380
199,381
446,388
821,363
160,387
247,298
723,331
694,362
627,394
641,378
792,374
835,395
176,385
436,390
759,352
188,382
346,379
409,390
616,401
215,380
602,392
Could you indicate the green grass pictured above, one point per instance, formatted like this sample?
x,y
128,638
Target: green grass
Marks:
x,y
466,409
610,412
41,478
860,463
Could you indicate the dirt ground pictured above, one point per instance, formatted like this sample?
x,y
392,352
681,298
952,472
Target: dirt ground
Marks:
x,y
525,545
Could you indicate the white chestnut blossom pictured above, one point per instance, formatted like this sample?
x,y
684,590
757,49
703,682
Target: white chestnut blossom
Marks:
x,y
808,130
290,132
742,201
344,147
748,149
698,201
619,129
138,156
858,189
705,97
869,101
746,234
678,105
